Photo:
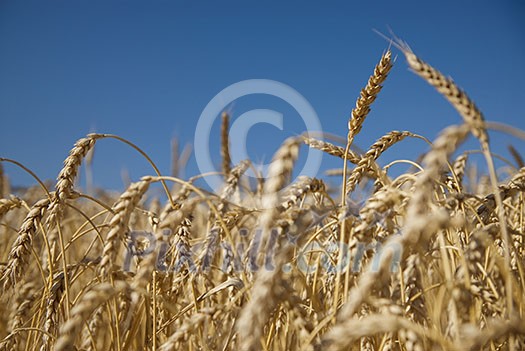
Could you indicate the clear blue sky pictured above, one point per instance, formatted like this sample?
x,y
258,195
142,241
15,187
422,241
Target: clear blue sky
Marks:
x,y
145,70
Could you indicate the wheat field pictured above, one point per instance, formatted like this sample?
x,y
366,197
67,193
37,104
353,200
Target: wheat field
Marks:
x,y
432,259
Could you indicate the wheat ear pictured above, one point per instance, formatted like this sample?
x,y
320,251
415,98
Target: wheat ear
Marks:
x,y
368,96
517,156
299,189
21,249
225,145
455,95
53,299
332,149
68,173
231,183
119,222
373,154
2,181
7,205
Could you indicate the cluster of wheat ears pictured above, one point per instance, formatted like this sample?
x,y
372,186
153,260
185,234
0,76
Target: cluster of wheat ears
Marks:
x,y
75,274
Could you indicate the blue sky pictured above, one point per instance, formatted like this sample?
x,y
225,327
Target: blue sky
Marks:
x,y
145,70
